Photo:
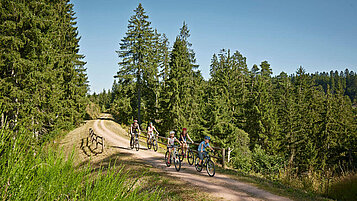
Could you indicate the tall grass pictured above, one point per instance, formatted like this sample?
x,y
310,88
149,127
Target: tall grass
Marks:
x,y
344,187
29,172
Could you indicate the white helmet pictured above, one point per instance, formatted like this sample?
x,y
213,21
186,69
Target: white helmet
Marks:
x,y
172,132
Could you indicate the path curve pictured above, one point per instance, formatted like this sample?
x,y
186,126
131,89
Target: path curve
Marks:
x,y
220,185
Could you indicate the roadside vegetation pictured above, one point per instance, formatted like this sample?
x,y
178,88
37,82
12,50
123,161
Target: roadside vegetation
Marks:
x,y
31,172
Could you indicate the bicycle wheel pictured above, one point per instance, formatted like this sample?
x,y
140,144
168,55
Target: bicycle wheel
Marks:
x,y
197,166
137,146
177,163
148,144
190,157
181,155
211,169
166,157
155,145
131,143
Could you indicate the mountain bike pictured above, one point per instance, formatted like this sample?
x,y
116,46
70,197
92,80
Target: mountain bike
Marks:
x,y
134,141
174,157
206,162
190,155
152,142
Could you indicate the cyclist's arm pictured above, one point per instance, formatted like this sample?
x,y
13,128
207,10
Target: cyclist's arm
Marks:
x,y
155,129
189,138
210,147
131,129
178,141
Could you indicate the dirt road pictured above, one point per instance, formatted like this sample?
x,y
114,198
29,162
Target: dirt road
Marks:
x,y
220,186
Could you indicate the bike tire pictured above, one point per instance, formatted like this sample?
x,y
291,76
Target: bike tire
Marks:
x,y
137,146
177,163
166,156
210,167
198,167
131,143
181,155
155,146
148,144
190,157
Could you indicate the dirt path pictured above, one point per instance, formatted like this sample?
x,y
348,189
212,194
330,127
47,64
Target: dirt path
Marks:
x,y
219,186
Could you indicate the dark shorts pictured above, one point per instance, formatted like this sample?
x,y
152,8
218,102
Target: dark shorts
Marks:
x,y
201,154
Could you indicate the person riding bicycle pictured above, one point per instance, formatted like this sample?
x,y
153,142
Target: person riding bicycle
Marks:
x,y
135,129
183,139
202,148
151,130
170,144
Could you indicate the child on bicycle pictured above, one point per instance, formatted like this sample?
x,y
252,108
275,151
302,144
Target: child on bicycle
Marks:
x,y
170,144
151,130
135,129
202,148
183,139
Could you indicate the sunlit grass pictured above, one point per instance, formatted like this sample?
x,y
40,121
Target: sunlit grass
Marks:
x,y
28,172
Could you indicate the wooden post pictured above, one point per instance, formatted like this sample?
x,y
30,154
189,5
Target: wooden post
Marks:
x,y
223,158
102,144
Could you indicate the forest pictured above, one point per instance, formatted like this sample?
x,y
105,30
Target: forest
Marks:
x,y
298,129
282,126
43,94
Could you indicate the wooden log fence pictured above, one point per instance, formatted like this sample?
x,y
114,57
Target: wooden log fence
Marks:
x,y
96,138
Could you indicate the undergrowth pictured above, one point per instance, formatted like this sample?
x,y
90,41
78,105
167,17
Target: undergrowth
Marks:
x,y
31,172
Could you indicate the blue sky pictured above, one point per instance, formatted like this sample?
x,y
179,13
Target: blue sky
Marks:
x,y
320,35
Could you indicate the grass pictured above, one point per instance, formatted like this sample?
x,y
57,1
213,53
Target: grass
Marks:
x,y
344,187
42,173
274,187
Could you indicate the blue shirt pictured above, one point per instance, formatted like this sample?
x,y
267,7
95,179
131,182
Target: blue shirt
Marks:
x,y
204,145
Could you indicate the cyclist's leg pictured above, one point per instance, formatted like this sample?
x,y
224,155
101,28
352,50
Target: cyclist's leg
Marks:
x,y
200,156
170,150
185,149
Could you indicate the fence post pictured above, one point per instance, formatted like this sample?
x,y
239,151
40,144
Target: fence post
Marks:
x,y
223,158
102,144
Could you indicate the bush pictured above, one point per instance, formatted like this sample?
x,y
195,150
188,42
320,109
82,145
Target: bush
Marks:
x,y
344,188
265,163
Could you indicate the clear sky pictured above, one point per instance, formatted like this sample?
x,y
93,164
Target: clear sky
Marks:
x,y
320,35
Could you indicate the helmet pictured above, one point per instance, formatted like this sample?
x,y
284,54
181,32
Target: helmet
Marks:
x,y
207,138
172,132
184,129
135,121
150,123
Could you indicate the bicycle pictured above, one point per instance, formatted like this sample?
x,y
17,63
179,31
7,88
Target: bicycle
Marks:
x,y
206,162
190,155
152,141
134,142
174,157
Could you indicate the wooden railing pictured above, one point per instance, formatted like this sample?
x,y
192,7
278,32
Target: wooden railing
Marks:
x,y
99,140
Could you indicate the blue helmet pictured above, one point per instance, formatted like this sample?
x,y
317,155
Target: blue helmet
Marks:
x,y
207,138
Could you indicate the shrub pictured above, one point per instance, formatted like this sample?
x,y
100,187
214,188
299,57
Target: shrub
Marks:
x,y
344,188
265,163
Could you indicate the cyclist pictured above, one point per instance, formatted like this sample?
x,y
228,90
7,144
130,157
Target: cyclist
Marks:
x,y
202,148
151,130
135,129
170,144
183,139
